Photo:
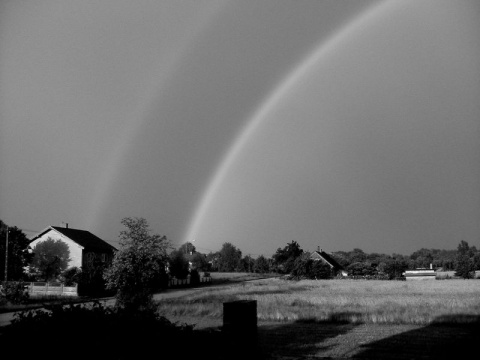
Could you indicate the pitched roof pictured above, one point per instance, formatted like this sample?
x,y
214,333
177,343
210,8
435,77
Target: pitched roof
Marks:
x,y
82,237
329,259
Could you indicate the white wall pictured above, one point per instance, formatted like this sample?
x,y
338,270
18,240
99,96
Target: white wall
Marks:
x,y
75,249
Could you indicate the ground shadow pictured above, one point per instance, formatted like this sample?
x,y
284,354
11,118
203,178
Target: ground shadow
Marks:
x,y
300,339
448,337
292,340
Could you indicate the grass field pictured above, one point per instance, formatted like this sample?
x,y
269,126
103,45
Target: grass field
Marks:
x,y
353,301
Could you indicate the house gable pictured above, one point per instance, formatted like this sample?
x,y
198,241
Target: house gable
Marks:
x,y
74,248
84,247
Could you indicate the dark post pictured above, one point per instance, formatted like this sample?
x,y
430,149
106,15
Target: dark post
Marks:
x,y
240,326
6,256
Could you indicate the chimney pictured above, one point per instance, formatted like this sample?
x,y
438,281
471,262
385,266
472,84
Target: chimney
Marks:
x,y
66,225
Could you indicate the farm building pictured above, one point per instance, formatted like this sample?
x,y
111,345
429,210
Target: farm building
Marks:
x,y
420,274
321,255
84,247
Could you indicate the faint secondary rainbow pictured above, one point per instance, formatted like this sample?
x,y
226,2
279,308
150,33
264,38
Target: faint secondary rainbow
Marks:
x,y
320,52
154,89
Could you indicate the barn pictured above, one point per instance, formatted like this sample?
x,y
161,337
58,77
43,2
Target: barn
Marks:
x,y
321,255
420,274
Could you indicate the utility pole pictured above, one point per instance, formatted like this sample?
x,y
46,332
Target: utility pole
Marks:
x,y
6,256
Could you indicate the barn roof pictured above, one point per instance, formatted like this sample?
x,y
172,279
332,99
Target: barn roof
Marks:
x,y
329,259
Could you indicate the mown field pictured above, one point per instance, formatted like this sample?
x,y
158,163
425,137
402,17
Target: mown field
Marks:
x,y
353,301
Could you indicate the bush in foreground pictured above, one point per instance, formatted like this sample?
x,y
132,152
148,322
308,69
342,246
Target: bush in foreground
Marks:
x,y
96,331
13,292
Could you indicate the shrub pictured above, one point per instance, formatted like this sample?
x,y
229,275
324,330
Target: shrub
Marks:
x,y
178,265
14,292
194,277
96,331
71,276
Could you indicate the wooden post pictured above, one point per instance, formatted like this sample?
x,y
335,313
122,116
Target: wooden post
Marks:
x,y
240,326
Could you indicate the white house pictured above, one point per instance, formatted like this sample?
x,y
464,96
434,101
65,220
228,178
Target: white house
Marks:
x,y
83,245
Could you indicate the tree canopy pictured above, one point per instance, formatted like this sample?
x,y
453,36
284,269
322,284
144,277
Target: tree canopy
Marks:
x,y
138,268
284,259
465,260
179,266
50,258
19,255
229,258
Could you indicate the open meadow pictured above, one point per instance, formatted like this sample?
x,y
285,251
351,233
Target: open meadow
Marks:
x,y
367,319
354,301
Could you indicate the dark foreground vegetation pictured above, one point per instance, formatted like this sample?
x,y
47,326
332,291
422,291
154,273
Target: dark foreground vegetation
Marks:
x,y
99,332
94,332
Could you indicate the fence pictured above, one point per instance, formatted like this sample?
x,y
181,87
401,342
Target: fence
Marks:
x,y
55,289
58,289
173,282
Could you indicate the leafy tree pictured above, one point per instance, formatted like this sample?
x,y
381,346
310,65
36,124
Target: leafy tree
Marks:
x,y
199,262
284,259
464,265
423,258
394,267
19,255
179,266
246,263
302,267
212,259
91,280
229,258
342,258
476,261
361,269
261,265
50,258
464,249
357,255
138,268
187,248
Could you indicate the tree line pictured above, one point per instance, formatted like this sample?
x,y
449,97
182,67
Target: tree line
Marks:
x,y
152,258
293,260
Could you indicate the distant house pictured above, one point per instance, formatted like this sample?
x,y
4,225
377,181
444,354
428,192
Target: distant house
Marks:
x,y
85,248
420,274
321,255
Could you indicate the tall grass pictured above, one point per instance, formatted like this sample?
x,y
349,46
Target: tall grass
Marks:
x,y
388,302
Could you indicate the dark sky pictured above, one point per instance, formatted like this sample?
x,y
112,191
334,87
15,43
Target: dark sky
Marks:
x,y
339,124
